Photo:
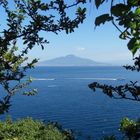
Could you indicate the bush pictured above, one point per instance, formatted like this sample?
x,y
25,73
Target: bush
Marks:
x,y
29,129
130,128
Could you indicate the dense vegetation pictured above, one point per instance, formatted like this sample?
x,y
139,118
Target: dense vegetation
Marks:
x,y
29,129
24,21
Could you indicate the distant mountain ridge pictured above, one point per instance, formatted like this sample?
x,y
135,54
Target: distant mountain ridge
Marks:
x,y
70,60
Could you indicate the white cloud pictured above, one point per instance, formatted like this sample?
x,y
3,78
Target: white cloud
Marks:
x,y
81,49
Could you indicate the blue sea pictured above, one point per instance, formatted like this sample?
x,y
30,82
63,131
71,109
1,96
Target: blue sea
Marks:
x,y
64,97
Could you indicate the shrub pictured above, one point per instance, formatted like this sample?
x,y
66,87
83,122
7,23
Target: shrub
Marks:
x,y
130,128
29,129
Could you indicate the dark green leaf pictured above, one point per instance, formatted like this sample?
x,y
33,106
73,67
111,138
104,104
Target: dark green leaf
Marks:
x,y
133,45
119,9
102,19
134,50
98,3
137,12
133,2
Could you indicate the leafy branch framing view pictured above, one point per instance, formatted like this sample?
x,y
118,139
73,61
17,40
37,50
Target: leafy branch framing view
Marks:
x,y
27,19
125,16
23,25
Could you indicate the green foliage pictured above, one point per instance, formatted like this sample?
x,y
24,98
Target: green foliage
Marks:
x,y
119,9
21,32
125,16
120,91
29,129
102,19
98,3
130,128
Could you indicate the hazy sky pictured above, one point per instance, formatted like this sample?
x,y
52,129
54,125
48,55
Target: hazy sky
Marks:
x,y
100,44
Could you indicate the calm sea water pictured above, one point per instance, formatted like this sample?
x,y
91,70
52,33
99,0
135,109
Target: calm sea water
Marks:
x,y
64,96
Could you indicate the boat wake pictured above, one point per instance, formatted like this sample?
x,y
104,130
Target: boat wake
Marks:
x,y
101,79
40,79
43,79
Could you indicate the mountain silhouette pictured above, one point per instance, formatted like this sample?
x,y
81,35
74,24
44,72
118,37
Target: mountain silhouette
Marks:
x,y
70,60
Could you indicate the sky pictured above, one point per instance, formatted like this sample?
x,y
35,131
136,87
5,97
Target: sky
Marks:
x,y
101,44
